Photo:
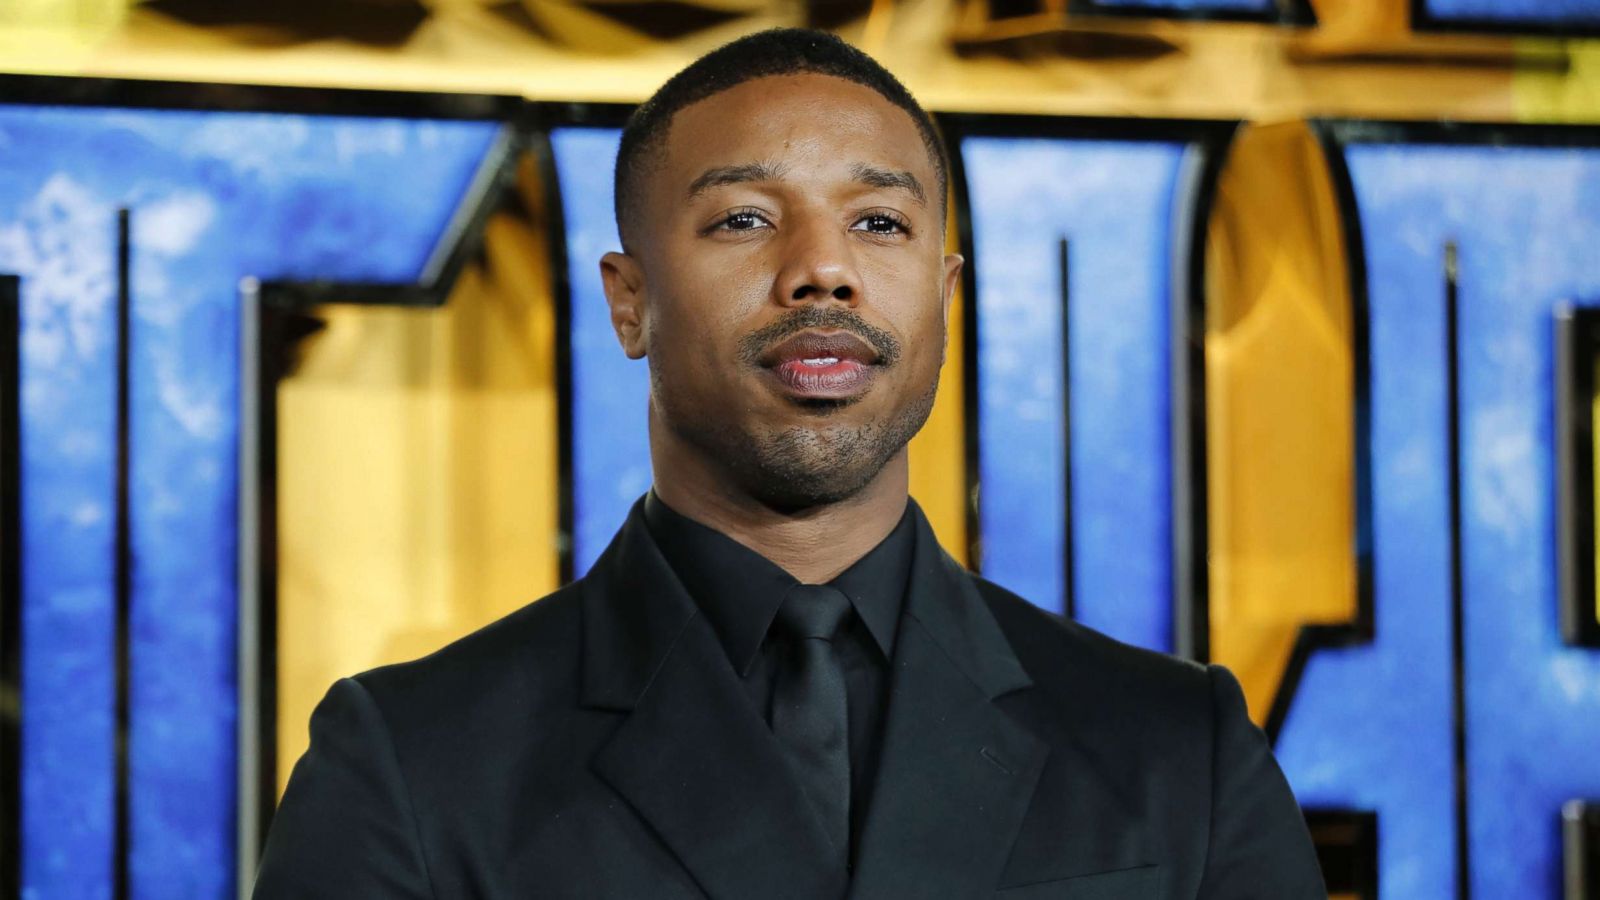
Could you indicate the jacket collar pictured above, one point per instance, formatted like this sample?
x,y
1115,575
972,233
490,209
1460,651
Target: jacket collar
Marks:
x,y
957,773
634,610
943,598
635,607
694,758
739,591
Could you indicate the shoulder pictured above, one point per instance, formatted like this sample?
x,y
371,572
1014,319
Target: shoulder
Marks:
x,y
1063,657
1174,734
526,659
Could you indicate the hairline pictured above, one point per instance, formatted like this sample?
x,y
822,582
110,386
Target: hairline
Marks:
x,y
647,154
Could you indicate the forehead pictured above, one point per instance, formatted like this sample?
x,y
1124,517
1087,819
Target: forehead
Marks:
x,y
786,118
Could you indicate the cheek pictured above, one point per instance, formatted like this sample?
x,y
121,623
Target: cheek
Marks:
x,y
705,284
917,313
699,312
929,341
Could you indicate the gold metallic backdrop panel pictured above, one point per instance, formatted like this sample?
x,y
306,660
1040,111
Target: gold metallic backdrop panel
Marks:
x,y
1280,424
552,49
1571,96
938,468
418,481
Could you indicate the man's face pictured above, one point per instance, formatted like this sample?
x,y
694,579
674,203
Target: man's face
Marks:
x,y
790,285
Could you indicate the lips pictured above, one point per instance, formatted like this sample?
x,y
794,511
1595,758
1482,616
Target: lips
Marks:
x,y
819,365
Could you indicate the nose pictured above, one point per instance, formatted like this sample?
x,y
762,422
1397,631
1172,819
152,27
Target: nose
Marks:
x,y
818,265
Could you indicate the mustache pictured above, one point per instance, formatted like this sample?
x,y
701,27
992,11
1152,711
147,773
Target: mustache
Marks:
x,y
752,345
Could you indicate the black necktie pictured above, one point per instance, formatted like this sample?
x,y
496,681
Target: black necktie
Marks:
x,y
809,706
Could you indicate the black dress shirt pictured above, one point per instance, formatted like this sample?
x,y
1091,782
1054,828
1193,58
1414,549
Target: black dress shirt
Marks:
x,y
739,591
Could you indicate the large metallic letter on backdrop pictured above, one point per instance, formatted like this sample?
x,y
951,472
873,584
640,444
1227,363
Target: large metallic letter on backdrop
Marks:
x,y
1468,723
213,197
1083,363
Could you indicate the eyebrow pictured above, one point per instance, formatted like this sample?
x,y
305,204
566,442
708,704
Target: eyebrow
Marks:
x,y
872,176
721,175
884,178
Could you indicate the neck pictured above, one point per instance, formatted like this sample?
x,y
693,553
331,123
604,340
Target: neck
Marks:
x,y
814,545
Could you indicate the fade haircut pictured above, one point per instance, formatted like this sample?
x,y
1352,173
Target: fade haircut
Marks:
x,y
779,51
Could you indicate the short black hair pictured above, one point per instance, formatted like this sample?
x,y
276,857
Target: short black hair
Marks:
x,y
779,51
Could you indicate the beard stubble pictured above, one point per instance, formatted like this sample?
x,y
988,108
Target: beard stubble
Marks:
x,y
799,466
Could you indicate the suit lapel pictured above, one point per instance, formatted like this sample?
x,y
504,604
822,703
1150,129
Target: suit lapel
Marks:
x,y
956,773
693,757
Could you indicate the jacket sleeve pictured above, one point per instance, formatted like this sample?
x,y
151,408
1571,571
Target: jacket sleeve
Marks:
x,y
345,827
1259,846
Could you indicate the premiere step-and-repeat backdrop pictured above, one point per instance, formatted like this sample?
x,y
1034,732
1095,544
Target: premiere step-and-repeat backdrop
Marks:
x,y
296,383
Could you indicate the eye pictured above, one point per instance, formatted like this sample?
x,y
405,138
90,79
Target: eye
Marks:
x,y
882,223
741,220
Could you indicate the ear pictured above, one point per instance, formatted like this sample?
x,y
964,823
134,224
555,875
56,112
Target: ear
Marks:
x,y
623,280
953,263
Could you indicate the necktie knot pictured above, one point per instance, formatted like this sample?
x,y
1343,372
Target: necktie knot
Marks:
x,y
812,611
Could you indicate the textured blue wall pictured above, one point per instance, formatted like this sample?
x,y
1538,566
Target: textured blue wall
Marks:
x,y
610,393
1371,725
1527,222
1585,13
215,196
1114,202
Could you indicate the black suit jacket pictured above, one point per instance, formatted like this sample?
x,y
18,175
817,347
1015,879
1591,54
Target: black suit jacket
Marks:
x,y
597,744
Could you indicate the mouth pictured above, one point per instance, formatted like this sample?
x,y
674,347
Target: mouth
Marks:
x,y
822,365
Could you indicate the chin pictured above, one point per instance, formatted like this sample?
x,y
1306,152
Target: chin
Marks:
x,y
795,454
803,467
794,492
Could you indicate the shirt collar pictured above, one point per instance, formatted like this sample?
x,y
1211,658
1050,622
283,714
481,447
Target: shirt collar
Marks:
x,y
740,590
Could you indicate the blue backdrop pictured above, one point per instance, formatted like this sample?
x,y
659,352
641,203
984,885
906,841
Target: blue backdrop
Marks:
x,y
1114,202
610,393
1512,14
1371,725
217,196
214,197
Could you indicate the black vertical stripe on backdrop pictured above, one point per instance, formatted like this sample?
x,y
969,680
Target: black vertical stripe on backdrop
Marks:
x,y
1580,850
1064,259
1577,349
1452,314
554,214
123,566
282,324
10,590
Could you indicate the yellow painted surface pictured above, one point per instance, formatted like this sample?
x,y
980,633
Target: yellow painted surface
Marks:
x,y
938,468
1566,97
567,51
62,34
418,490
1279,410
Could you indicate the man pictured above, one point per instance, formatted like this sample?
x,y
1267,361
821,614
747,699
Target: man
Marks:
x,y
774,683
